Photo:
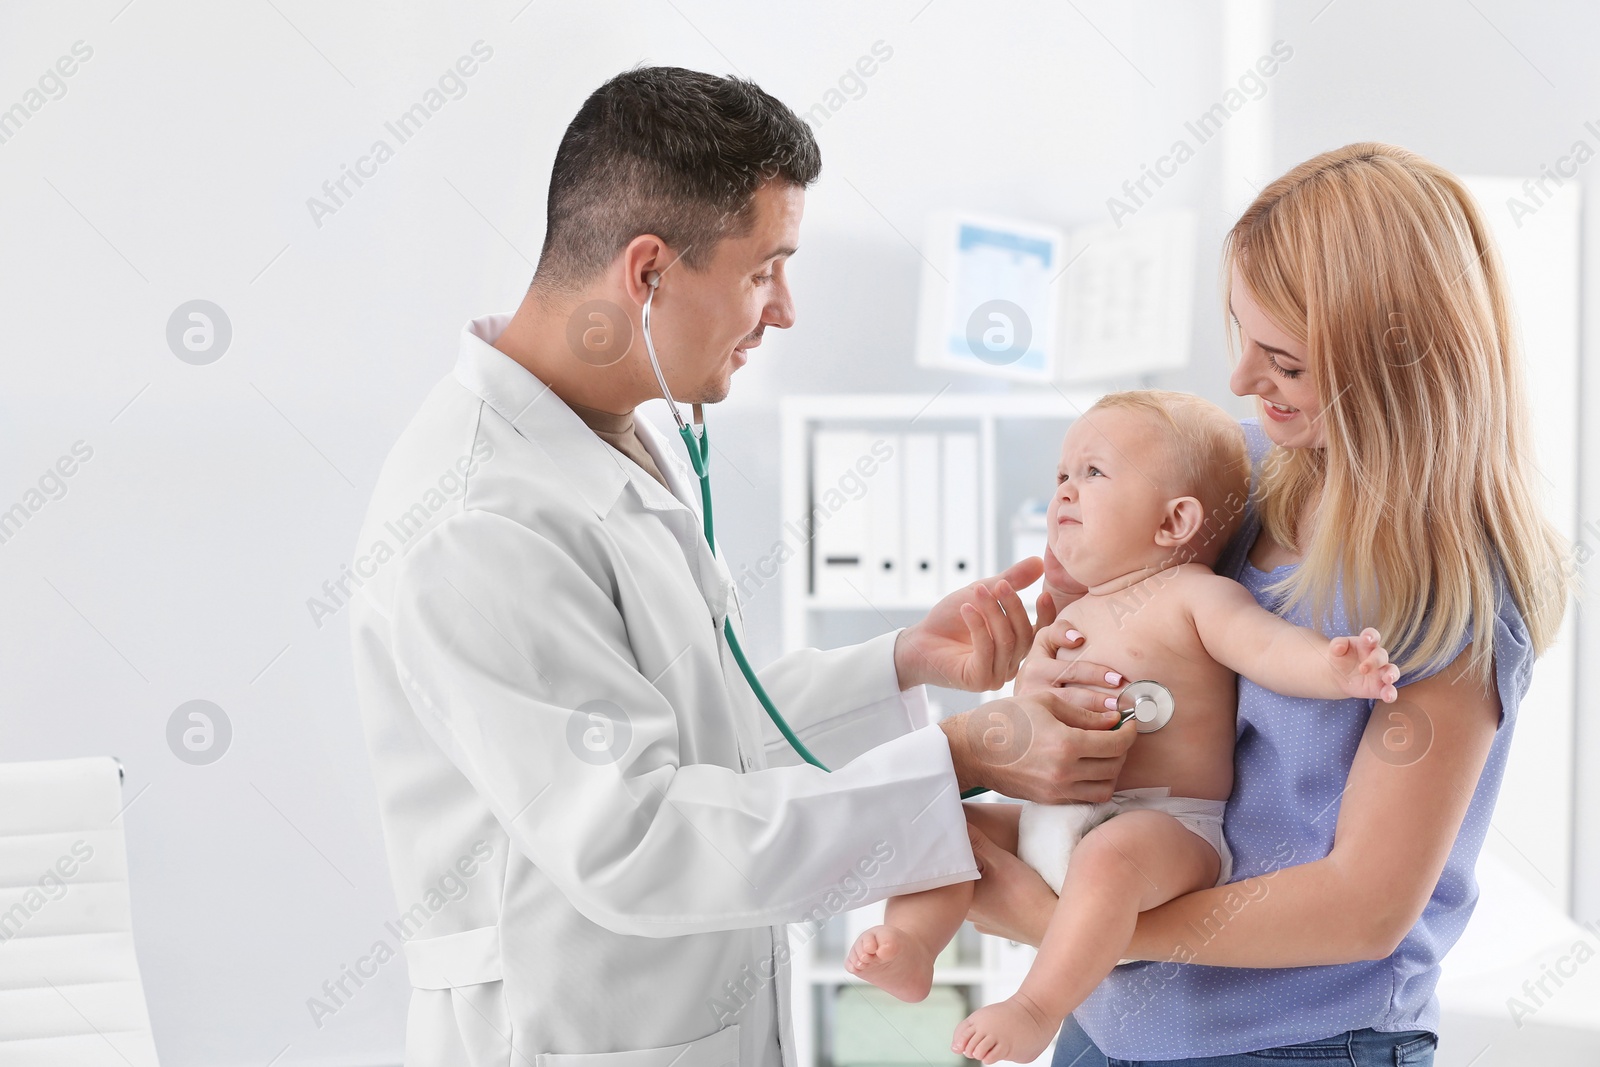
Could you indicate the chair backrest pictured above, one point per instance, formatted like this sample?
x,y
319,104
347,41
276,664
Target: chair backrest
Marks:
x,y
69,981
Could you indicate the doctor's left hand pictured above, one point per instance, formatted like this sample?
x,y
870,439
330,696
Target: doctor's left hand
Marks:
x,y
974,638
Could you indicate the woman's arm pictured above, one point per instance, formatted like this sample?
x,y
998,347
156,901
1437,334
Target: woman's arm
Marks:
x,y
1397,822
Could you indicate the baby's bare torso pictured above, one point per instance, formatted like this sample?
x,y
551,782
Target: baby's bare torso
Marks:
x,y
1148,631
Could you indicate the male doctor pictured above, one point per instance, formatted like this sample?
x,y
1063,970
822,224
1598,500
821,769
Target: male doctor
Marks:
x,y
553,714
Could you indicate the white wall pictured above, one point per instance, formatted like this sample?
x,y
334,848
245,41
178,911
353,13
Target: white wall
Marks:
x,y
219,498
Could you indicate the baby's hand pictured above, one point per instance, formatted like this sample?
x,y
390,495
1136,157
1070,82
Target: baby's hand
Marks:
x,y
1363,666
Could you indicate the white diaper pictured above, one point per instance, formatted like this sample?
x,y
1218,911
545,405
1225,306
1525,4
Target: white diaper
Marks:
x,y
1047,833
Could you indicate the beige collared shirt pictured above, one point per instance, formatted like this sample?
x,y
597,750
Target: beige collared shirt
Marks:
x,y
620,433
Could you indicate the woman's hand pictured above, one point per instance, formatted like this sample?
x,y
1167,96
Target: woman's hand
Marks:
x,y
974,638
1010,900
1046,667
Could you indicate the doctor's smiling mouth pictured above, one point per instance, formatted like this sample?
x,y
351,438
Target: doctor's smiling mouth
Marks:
x,y
741,354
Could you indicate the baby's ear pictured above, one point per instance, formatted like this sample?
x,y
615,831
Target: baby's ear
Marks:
x,y
1183,519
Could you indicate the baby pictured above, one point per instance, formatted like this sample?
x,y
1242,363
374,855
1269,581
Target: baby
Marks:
x,y
1150,486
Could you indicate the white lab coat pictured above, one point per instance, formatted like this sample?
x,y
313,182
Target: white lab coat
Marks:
x,y
631,870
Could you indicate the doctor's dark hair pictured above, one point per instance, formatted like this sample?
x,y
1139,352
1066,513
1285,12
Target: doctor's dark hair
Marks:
x,y
670,152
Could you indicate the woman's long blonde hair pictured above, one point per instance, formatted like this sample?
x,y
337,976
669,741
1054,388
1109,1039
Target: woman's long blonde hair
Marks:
x,y
1382,265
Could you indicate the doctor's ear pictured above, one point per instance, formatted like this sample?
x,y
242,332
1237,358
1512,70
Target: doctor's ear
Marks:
x,y
643,261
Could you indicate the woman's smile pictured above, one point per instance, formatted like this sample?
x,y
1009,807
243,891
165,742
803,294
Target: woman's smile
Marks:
x,y
1279,412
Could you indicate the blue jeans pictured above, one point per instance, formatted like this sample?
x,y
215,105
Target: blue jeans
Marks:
x,y
1356,1048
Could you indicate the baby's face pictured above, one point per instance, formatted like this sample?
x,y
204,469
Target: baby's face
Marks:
x,y
1111,496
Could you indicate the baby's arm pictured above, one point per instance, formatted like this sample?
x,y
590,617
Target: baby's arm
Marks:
x,y
1278,655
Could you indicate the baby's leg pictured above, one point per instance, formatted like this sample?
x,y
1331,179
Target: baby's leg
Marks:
x,y
1126,865
897,957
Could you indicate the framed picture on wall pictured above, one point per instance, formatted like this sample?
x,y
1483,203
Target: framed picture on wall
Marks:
x,y
1030,302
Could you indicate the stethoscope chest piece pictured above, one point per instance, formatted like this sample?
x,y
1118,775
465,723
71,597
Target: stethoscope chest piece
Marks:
x,y
1148,703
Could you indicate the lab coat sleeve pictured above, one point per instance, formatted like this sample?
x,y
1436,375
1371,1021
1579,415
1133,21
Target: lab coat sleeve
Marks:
x,y
508,685
839,702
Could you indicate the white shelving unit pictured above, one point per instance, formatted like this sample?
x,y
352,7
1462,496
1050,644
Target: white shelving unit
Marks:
x,y
993,970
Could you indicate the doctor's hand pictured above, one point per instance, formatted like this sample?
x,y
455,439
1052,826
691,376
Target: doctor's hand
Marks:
x,y
1040,746
974,638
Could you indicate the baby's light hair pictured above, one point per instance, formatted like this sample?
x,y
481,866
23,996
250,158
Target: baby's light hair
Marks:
x,y
1207,459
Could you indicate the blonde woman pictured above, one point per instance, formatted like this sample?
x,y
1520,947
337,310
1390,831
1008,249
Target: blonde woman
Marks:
x,y
1393,486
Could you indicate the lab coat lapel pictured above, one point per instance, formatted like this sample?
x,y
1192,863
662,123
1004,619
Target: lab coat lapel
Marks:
x,y
597,472
589,464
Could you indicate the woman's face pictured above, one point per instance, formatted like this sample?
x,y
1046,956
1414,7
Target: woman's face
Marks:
x,y
1273,368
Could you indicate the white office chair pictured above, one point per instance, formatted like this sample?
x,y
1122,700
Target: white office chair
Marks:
x,y
69,982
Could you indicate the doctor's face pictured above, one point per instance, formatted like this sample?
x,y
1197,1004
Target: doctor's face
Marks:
x,y
708,320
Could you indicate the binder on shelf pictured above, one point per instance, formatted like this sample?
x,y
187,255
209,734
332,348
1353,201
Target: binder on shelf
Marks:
x,y
960,508
920,481
838,510
885,577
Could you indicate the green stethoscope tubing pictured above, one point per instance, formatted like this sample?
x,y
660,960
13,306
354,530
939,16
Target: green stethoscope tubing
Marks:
x,y
699,446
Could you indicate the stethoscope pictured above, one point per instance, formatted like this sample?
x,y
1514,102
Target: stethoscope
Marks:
x,y
1147,703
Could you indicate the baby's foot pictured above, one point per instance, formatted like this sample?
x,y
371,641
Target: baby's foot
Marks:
x,y
892,960
1013,1029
